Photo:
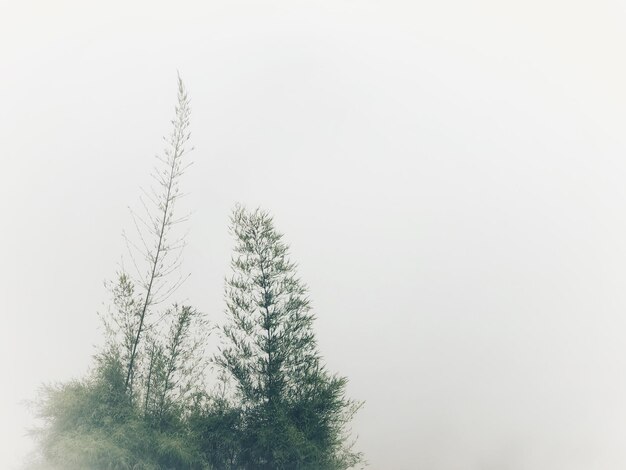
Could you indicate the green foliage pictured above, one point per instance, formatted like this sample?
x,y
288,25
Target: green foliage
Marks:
x,y
144,406
132,411
293,412
92,424
155,253
217,427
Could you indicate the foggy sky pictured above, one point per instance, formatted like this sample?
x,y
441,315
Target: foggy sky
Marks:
x,y
449,175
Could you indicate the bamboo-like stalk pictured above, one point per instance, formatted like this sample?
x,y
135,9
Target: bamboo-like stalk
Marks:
x,y
158,225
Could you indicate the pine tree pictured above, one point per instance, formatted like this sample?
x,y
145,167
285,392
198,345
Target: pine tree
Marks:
x,y
293,411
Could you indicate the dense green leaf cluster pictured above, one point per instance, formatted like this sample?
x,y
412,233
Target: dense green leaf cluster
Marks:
x,y
93,424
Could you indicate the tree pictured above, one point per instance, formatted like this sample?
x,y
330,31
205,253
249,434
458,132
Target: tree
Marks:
x,y
132,411
159,350
154,228
293,412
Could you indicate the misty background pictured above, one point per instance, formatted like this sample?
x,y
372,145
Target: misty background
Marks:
x,y
450,177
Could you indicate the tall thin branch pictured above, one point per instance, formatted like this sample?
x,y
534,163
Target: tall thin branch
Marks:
x,y
162,221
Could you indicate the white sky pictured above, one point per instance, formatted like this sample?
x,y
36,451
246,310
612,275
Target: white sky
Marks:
x,y
450,175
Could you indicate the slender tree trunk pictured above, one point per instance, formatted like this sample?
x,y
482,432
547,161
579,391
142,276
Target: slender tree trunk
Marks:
x,y
154,268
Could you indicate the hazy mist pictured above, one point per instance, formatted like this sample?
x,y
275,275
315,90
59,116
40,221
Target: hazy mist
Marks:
x,y
450,177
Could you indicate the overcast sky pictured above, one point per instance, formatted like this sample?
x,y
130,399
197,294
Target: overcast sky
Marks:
x,y
450,175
